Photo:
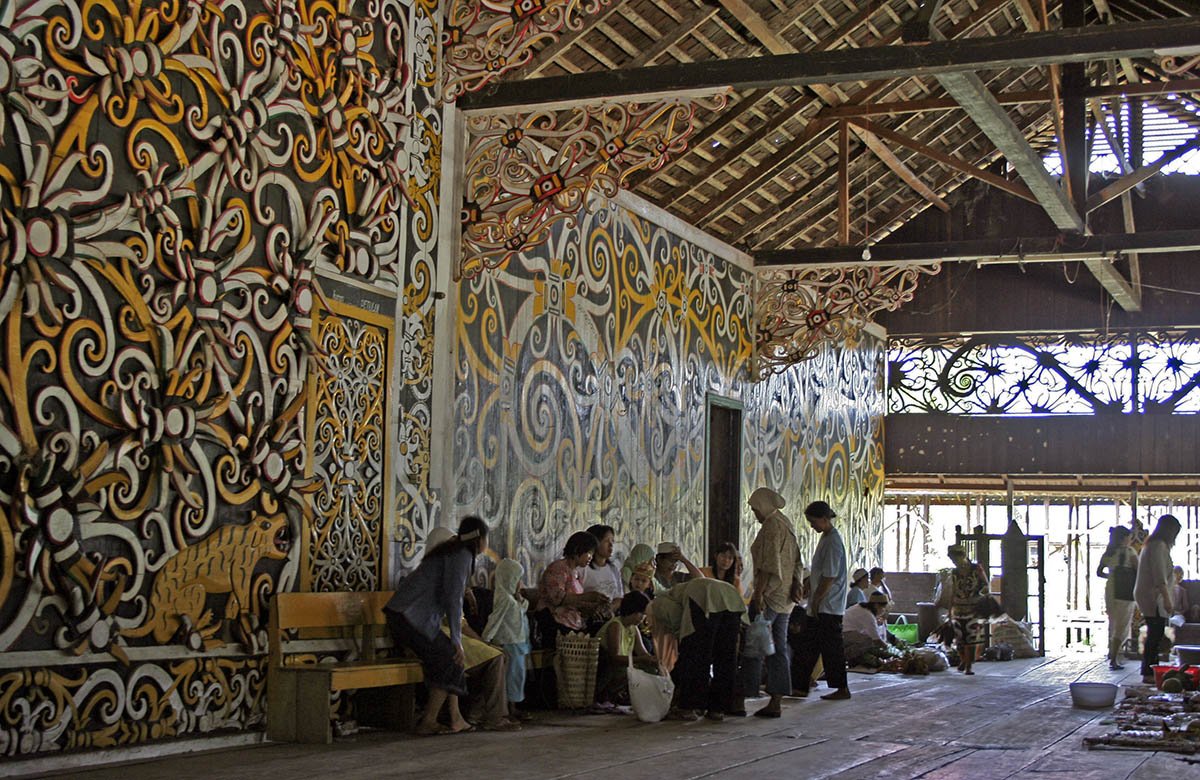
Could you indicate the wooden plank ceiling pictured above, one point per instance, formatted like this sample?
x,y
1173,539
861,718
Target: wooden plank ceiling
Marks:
x,y
763,173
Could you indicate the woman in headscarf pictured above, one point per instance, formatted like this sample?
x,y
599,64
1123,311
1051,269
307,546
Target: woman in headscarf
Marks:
x,y
778,578
1154,589
1118,565
695,628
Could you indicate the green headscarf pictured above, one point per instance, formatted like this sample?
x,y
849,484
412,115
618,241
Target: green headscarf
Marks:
x,y
637,556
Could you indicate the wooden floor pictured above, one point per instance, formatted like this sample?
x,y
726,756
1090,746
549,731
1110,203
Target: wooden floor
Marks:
x,y
1012,721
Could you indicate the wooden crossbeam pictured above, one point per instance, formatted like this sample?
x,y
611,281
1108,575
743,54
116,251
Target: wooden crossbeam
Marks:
x,y
1029,249
814,204
1139,39
1013,98
1012,187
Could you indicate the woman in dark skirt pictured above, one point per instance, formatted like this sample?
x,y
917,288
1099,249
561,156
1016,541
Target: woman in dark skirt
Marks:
x,y
414,615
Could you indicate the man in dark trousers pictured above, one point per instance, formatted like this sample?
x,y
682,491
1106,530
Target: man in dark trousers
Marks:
x,y
823,634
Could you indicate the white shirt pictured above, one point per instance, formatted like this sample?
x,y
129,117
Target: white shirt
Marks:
x,y
605,579
859,618
829,560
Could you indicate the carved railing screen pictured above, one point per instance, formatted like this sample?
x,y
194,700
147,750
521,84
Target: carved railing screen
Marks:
x,y
1128,372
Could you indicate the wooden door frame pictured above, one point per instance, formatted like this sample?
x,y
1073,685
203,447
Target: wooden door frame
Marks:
x,y
712,399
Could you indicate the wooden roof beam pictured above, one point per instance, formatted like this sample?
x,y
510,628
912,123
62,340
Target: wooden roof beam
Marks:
x,y
973,95
778,163
1012,187
548,54
1027,249
1140,39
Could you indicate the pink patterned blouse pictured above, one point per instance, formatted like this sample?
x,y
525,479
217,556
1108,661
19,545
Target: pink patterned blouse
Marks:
x,y
558,581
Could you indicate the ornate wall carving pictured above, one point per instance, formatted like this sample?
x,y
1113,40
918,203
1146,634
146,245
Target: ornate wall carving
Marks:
x,y
346,545
583,367
172,176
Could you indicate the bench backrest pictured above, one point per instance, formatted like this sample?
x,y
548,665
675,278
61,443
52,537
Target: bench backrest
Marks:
x,y
332,612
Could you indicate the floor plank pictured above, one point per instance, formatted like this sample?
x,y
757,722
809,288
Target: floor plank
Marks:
x,y
1011,721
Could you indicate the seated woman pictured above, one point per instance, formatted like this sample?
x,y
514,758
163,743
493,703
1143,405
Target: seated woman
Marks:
x,y
620,639
561,600
878,584
864,628
423,599
859,582
696,630
666,561
725,565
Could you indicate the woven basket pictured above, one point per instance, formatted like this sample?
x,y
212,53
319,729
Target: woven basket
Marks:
x,y
575,660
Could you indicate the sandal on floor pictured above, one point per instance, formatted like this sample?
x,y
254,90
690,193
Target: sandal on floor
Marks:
x,y
439,731
503,725
764,713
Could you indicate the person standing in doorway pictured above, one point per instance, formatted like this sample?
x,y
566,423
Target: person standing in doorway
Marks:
x,y
1118,565
1153,590
778,578
823,635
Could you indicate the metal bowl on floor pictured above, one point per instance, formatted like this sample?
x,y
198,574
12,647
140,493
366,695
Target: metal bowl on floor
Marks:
x,y
1188,654
1093,695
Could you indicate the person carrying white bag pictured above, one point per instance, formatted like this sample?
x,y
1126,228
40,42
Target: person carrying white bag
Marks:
x,y
695,629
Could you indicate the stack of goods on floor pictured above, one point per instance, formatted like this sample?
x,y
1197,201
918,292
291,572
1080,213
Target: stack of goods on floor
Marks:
x,y
1148,720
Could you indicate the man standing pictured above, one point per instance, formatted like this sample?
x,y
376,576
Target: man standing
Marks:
x,y
778,577
823,634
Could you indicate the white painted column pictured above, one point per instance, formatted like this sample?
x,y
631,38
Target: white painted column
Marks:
x,y
445,315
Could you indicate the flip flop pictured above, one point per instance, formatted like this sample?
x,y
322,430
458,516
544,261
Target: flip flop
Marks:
x,y
768,714
437,731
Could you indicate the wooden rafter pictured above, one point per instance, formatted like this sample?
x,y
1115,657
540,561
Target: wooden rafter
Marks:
x,y
843,181
1141,39
869,92
1131,180
950,161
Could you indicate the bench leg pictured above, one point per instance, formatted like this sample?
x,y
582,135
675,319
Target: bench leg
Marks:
x,y
281,705
313,712
393,707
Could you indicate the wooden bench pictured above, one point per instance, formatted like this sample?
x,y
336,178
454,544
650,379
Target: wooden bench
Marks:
x,y
298,695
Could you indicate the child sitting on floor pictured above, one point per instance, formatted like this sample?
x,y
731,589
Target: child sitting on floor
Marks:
x,y
508,627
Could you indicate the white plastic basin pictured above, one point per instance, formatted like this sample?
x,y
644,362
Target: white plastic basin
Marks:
x,y
1093,695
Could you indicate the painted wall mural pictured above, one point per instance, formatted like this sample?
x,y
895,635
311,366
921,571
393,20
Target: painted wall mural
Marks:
x,y
174,179
583,368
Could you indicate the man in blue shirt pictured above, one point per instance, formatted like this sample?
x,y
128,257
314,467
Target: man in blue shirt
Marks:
x,y
823,634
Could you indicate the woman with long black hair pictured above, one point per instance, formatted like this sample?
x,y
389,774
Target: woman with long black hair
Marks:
x,y
414,616
1118,565
1154,589
725,565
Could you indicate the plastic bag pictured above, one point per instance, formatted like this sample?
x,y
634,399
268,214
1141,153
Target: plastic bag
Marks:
x,y
934,658
650,694
758,642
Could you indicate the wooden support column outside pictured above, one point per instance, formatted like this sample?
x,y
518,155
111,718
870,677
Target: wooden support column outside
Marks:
x,y
843,183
